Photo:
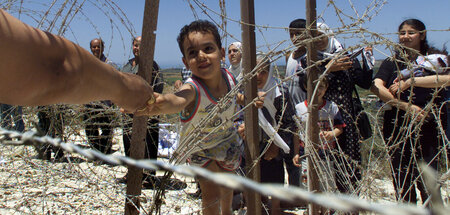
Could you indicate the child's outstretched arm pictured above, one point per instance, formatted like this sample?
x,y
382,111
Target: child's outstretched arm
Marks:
x,y
171,102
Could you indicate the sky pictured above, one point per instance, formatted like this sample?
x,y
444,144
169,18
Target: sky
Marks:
x,y
117,27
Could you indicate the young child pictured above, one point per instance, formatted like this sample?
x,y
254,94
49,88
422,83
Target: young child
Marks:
x,y
331,126
217,147
426,65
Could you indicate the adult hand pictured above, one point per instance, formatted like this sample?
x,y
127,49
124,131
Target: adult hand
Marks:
x,y
343,63
136,96
398,86
296,161
259,103
416,112
153,106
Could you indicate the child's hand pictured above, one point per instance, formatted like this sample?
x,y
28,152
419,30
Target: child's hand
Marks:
x,y
137,95
296,161
151,108
178,85
272,152
327,135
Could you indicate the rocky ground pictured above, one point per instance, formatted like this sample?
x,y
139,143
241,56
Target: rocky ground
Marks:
x,y
77,186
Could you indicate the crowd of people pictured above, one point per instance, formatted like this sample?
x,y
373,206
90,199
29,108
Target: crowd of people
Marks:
x,y
220,143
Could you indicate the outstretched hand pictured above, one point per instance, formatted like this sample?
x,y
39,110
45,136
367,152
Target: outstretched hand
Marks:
x,y
136,94
151,107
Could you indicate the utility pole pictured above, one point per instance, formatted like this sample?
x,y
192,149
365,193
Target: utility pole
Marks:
x,y
139,129
251,113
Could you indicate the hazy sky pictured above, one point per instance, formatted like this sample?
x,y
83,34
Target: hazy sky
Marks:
x,y
274,15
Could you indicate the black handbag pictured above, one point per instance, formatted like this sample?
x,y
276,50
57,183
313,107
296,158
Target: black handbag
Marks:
x,y
361,118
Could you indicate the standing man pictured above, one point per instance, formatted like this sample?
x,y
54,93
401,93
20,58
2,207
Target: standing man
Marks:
x,y
96,118
152,134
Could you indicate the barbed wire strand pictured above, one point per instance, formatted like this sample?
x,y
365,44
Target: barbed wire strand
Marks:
x,y
337,202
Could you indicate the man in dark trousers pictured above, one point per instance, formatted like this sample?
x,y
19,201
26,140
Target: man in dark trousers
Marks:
x,y
152,134
96,118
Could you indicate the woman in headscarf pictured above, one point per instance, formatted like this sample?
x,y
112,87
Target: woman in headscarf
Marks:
x,y
343,74
235,56
279,112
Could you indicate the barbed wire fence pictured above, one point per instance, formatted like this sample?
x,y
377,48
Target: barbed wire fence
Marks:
x,y
334,201
72,181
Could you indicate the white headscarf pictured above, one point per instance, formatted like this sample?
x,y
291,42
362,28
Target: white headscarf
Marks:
x,y
334,46
237,68
270,87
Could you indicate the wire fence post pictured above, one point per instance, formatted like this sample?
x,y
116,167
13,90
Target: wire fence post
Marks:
x,y
137,148
250,114
313,117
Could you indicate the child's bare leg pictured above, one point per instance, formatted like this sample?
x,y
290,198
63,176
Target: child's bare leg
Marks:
x,y
210,199
226,200
211,202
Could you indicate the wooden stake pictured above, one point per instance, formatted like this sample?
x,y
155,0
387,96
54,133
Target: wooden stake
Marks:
x,y
139,129
250,114
313,117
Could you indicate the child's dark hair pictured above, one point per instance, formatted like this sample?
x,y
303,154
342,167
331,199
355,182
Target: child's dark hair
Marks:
x,y
198,26
298,23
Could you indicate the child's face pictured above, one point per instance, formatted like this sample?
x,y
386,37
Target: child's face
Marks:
x,y
322,89
202,55
297,35
262,76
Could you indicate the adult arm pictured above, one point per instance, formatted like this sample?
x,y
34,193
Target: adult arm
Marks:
x,y
39,68
379,89
432,81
